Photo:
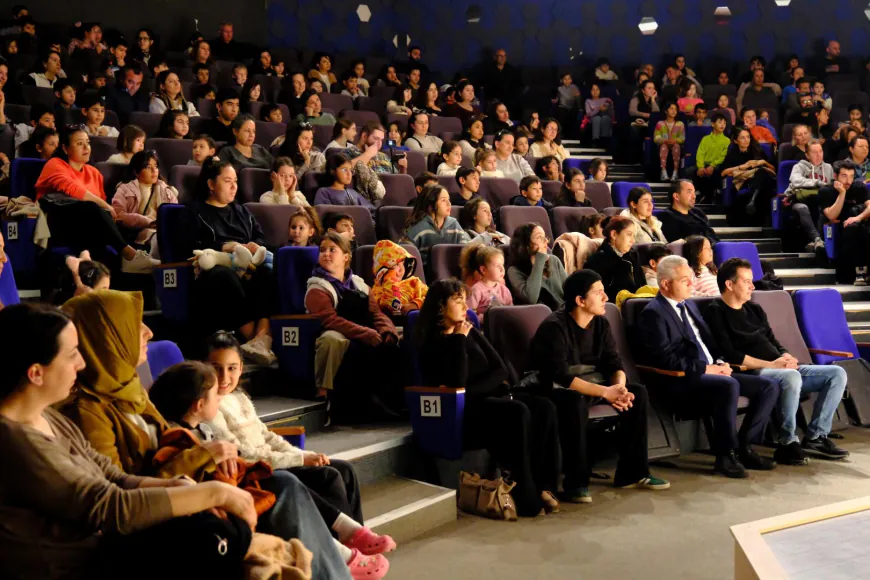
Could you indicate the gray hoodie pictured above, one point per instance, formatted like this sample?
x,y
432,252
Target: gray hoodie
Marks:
x,y
805,175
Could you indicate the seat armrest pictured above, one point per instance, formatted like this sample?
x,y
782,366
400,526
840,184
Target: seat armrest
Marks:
x,y
434,390
738,367
661,371
842,353
285,431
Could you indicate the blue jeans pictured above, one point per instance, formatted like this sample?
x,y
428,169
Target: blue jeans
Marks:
x,y
829,381
294,515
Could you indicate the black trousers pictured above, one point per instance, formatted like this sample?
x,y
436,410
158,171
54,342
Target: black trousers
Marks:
x,y
573,413
225,301
334,489
707,185
84,226
521,434
855,245
717,396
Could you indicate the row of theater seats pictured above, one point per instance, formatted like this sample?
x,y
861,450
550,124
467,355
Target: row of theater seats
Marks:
x,y
813,328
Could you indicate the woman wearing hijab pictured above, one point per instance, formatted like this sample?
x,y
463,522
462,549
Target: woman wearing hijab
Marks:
x,y
114,413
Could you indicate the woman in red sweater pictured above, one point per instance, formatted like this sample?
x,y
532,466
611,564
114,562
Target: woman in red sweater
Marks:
x,y
352,323
71,194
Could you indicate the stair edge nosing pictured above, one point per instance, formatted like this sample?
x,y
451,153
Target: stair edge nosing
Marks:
x,y
410,508
367,450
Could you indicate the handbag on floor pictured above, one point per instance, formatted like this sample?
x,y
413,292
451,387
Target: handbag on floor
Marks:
x,y
486,497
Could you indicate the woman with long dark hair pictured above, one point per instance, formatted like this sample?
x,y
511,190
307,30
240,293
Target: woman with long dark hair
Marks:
x,y
476,218
573,190
535,275
430,222
519,429
615,261
298,145
749,167
648,228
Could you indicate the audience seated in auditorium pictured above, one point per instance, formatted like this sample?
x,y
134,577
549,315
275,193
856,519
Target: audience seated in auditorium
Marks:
x,y
89,224
418,138
654,255
93,111
251,92
742,332
573,190
859,148
284,184
688,98
126,96
642,105
486,162
169,96
430,222
476,218
51,71
389,77
263,64
699,254
805,181
499,119
567,99
579,337
748,167
245,153
343,134
502,81
616,262
472,138
271,113
304,228
396,290
42,144
368,160
759,133
548,168
427,101
489,289
298,146
451,156
648,228
220,127
699,117
531,194
522,143
469,184
598,171
293,94
722,106
821,99
509,163
402,102
800,138
674,337
221,298
464,107
709,158
136,201
313,111
322,71
203,149
757,86
549,142
174,125
846,200
599,113
337,184
805,114
682,219
669,135
535,275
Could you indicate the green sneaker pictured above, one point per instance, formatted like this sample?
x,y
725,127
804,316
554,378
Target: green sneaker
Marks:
x,y
577,495
650,482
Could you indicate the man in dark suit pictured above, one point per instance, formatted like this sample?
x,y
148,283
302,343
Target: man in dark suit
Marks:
x,y
676,338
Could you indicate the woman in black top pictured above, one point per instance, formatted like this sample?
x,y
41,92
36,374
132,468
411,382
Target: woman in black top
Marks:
x,y
519,429
744,154
615,261
223,300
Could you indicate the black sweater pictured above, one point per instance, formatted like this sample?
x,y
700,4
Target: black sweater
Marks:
x,y
617,272
457,361
561,343
742,332
215,226
678,226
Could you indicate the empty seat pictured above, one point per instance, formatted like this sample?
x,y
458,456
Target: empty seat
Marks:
x,y
620,191
335,102
498,191
170,152
102,148
746,250
822,320
197,125
598,194
206,108
567,219
400,189
183,178
274,220
360,118
439,125
112,175
382,92
510,329
311,182
148,122
513,216
23,175
362,220
253,183
268,132
444,260
112,119
363,262
391,222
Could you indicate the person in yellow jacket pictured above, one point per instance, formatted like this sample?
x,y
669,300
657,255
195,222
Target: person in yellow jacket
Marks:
x,y
395,289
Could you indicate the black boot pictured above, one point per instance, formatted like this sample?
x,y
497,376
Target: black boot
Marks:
x,y
750,207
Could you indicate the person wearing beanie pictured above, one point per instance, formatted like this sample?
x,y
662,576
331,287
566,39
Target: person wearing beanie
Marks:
x,y
575,356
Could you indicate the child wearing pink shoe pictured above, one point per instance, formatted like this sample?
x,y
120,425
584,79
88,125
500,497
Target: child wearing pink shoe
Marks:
x,y
333,483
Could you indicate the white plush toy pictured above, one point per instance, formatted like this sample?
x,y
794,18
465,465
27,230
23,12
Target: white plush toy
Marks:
x,y
240,259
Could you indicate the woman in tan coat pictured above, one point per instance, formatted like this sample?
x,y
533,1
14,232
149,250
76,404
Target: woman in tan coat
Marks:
x,y
648,228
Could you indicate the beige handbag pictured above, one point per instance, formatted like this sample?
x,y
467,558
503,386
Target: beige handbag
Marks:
x,y
486,497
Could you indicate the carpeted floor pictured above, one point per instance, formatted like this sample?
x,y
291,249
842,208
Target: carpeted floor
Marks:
x,y
679,533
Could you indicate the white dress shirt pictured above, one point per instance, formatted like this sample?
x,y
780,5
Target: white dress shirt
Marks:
x,y
674,304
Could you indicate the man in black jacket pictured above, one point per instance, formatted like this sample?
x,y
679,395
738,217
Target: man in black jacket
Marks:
x,y
568,346
127,96
682,220
846,200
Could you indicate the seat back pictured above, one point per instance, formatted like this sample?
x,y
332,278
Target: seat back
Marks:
x,y
677,248
598,194
448,182
274,220
444,261
391,222
293,266
567,219
148,122
399,189
8,287
102,148
322,135
268,132
359,118
375,104
38,95
183,178
253,183
335,102
170,152
439,125
113,174
631,310
513,216
363,262
614,317
23,176
781,317
510,329
783,174
746,250
18,113
620,191
362,220
822,320
416,161
400,120
551,189
498,191
175,233
163,354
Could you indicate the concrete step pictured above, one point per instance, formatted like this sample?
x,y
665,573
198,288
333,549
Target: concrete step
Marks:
x,y
581,154
740,232
376,451
860,331
288,412
407,508
849,294
764,245
792,260
857,311
808,276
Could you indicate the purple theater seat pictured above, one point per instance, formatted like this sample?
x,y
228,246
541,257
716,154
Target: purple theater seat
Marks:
x,y
183,178
362,220
400,189
498,191
102,148
513,216
148,122
170,152
444,260
746,250
274,220
620,191
253,183
822,320
268,132
567,219
598,194
391,222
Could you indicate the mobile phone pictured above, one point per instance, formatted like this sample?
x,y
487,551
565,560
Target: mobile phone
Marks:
x,y
391,143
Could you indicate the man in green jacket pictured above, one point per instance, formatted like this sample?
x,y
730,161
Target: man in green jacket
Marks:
x,y
710,155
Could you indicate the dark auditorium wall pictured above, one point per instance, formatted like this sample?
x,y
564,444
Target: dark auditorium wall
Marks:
x,y
552,31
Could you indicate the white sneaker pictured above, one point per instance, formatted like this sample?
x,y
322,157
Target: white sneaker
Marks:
x,y
141,263
675,176
259,350
665,175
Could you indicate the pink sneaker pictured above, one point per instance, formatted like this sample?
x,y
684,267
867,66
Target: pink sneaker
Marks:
x,y
364,567
370,543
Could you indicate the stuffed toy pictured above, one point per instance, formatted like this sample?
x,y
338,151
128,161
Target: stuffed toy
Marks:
x,y
240,259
